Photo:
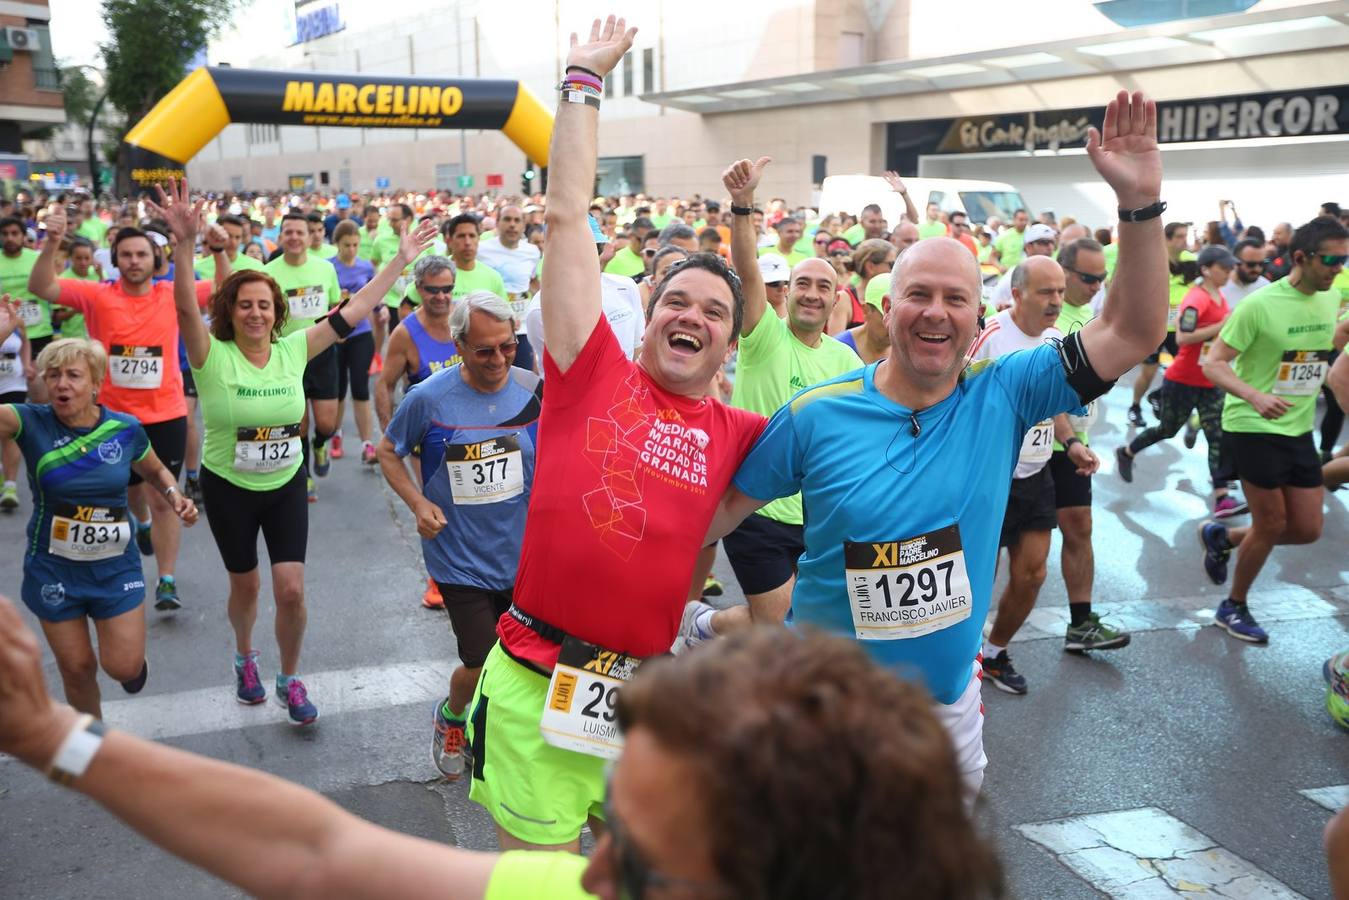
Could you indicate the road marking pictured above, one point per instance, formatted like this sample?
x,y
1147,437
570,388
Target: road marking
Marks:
x,y
1139,854
1332,798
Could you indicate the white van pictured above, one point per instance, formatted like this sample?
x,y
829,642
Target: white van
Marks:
x,y
977,199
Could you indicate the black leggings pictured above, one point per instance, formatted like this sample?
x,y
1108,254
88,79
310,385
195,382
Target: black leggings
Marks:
x,y
1333,420
236,514
354,356
1177,401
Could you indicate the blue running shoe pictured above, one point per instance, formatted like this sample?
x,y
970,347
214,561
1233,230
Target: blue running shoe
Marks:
x,y
248,687
1004,676
1217,548
1236,620
296,701
143,541
166,595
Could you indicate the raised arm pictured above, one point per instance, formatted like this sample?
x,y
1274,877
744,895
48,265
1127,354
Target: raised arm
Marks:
x,y
42,280
571,279
740,180
897,185
176,208
1133,321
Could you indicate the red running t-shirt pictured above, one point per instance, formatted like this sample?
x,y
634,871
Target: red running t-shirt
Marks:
x,y
1198,305
141,337
626,481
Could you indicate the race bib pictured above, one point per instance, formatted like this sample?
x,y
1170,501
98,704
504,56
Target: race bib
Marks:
x,y
1301,373
519,305
1204,348
306,302
139,368
30,312
89,533
1038,444
268,448
1082,424
9,364
1172,316
908,588
486,472
578,711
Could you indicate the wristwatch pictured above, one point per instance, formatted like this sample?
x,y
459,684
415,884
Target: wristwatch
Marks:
x,y
1143,213
1068,444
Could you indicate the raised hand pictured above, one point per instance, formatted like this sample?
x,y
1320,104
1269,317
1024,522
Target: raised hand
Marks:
x,y
175,206
55,222
896,183
9,316
413,242
1125,150
608,41
742,177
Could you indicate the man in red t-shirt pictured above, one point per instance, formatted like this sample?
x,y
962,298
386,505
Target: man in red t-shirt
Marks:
x,y
134,319
632,462
1199,318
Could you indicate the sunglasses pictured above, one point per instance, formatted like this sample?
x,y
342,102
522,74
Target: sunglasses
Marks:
x,y
823,241
1331,260
1087,277
433,290
486,353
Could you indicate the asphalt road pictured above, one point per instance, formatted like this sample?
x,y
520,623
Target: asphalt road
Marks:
x,y
1168,768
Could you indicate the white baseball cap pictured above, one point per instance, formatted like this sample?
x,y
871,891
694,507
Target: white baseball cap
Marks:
x,y
774,269
1040,232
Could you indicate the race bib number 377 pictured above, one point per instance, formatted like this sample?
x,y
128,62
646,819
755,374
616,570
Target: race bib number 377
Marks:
x,y
907,588
486,472
578,712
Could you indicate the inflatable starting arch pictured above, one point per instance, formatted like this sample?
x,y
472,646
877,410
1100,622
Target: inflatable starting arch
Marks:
x,y
204,102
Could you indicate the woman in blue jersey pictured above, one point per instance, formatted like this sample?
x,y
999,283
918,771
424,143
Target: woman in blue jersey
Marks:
x,y
80,561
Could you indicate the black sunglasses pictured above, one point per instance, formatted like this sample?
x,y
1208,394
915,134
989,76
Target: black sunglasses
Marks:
x,y
1330,259
486,353
1087,277
435,289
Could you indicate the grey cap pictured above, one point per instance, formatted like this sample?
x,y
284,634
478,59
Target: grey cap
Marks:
x,y
1215,254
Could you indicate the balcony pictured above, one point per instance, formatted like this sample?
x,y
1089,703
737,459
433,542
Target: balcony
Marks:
x,y
46,79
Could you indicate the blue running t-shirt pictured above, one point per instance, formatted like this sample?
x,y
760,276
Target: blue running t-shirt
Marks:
x,y
477,458
901,530
74,470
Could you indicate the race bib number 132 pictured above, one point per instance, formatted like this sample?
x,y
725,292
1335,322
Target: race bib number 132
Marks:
x,y
907,588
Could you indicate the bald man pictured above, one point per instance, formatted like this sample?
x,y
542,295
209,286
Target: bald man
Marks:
x,y
904,236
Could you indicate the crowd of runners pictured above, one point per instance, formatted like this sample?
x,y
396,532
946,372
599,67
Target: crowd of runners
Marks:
x,y
861,413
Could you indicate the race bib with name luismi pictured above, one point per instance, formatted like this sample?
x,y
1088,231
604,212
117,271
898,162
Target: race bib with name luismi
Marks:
x,y
266,448
1301,373
489,471
578,710
907,588
89,533
138,368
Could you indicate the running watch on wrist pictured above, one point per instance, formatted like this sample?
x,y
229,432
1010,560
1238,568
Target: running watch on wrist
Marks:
x,y
77,750
1143,213
1068,444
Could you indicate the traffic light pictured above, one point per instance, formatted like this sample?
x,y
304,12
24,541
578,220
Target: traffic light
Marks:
x,y
527,182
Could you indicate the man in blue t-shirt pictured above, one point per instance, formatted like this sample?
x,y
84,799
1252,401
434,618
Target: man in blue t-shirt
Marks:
x,y
904,467
474,423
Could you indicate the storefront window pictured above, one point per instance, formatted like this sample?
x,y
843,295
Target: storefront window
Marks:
x,y
617,175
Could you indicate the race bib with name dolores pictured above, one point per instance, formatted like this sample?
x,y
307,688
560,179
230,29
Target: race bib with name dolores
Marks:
x,y
907,588
89,533
578,711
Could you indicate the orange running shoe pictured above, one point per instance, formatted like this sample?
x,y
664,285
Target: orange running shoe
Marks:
x,y
376,364
335,442
432,599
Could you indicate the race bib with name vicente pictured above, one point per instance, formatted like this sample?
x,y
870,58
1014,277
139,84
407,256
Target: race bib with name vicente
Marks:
x,y
489,471
578,711
1301,373
89,533
907,588
139,368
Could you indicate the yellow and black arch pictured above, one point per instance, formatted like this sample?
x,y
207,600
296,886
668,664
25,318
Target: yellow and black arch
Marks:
x,y
210,98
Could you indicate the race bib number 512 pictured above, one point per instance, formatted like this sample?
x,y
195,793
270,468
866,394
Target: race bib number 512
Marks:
x,y
907,588
578,711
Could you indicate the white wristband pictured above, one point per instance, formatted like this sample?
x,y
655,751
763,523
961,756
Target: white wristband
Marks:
x,y
77,750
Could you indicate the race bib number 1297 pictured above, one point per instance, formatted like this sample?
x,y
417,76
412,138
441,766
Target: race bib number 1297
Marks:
x,y
907,588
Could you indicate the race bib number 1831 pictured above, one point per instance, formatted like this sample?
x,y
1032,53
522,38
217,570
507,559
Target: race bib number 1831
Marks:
x,y
89,533
578,712
907,588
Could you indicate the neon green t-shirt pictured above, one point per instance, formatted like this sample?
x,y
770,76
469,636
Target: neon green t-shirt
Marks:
x,y
625,262
205,266
325,251
310,289
772,367
660,222
94,230
367,248
74,326
481,277
528,875
1011,246
1111,253
1280,334
931,230
854,234
267,402
1341,284
792,258
1179,288
1072,318
14,271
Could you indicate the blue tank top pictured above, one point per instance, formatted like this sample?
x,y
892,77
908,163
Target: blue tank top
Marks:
x,y
845,337
433,355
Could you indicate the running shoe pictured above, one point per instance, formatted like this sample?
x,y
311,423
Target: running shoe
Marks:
x,y
192,489
135,685
1217,548
1336,673
248,687
1136,417
301,711
368,454
335,442
1236,620
1124,464
1191,431
1155,401
447,743
322,460
1093,634
432,599
376,365
690,635
712,587
143,539
166,595
313,490
1227,505
1000,670
9,498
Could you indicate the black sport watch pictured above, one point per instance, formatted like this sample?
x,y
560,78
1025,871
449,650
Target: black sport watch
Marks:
x,y
1143,213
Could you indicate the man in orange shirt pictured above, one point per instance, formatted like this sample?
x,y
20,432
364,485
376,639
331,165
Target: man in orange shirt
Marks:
x,y
135,320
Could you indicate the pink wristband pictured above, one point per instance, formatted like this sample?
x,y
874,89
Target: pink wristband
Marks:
x,y
576,77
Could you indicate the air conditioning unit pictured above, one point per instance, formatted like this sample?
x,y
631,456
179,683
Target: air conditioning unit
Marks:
x,y
25,39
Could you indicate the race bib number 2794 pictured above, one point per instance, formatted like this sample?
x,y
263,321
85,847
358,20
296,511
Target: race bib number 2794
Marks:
x,y
907,588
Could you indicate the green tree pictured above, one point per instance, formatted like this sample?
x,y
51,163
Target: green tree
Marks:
x,y
151,44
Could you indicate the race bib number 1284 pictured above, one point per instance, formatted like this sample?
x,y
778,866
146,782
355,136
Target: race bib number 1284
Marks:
x,y
907,588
